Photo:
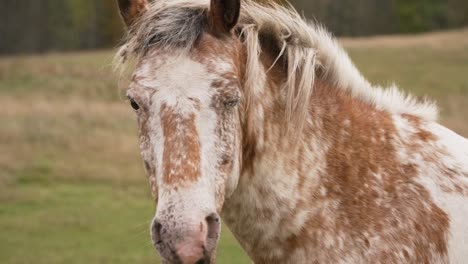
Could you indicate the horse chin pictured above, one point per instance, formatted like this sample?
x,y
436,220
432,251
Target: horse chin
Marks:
x,y
168,256
207,260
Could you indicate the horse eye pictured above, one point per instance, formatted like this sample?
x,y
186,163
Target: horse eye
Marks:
x,y
231,103
134,105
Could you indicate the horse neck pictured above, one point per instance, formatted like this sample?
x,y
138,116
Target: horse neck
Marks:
x,y
278,180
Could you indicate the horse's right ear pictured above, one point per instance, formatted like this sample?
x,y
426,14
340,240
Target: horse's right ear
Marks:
x,y
131,10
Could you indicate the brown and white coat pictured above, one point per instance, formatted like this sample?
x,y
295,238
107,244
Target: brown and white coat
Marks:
x,y
253,114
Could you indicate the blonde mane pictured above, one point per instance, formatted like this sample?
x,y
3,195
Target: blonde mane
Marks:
x,y
310,51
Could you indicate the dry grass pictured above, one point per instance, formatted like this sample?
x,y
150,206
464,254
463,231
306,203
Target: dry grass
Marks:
x,y
456,39
69,164
431,65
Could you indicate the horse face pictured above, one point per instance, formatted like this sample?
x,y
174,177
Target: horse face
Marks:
x,y
186,102
189,140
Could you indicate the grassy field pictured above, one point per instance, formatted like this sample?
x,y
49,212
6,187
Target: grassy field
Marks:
x,y
72,186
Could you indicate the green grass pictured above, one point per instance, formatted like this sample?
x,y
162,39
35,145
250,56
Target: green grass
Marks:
x,y
72,186
82,223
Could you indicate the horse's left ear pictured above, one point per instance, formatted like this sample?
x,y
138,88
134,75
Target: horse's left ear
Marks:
x,y
223,15
132,10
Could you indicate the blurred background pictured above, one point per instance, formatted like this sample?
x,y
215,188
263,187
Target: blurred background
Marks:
x,y
51,25
72,186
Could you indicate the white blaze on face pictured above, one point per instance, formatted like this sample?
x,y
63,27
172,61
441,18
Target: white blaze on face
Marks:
x,y
181,93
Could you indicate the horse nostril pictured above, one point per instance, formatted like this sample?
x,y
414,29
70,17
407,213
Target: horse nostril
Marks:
x,y
212,218
213,222
156,231
201,261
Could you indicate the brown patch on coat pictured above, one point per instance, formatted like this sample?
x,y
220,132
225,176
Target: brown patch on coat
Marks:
x,y
181,156
421,134
354,160
425,136
450,179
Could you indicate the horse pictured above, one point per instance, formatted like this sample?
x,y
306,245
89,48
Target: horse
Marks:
x,y
249,113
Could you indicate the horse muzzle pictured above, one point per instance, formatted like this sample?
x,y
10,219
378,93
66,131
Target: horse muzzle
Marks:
x,y
187,242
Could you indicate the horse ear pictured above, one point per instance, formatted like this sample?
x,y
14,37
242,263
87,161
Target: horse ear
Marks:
x,y
223,15
131,10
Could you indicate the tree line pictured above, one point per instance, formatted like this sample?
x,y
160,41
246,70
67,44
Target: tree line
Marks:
x,y
42,25
28,26
371,17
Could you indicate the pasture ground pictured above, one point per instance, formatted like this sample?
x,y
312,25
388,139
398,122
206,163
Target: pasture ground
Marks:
x,y
72,186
